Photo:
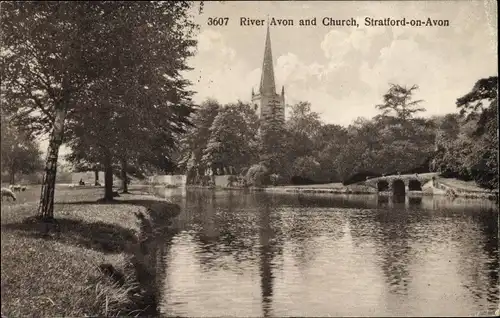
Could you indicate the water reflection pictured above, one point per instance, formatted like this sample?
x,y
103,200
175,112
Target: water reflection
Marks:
x,y
394,249
256,254
266,236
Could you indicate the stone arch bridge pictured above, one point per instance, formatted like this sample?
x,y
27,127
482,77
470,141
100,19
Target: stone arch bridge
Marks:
x,y
400,184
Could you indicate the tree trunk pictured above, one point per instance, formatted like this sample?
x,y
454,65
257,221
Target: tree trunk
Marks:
x,y
124,176
96,174
108,177
12,178
46,206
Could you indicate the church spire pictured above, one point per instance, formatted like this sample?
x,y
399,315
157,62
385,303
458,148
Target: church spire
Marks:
x,y
267,85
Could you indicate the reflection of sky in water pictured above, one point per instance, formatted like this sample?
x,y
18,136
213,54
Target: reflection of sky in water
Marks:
x,y
282,255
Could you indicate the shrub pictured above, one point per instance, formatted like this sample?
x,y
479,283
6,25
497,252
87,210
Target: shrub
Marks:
x,y
258,175
306,167
298,180
206,180
274,178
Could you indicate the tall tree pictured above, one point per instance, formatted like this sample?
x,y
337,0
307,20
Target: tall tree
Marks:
x,y
303,120
481,106
102,57
275,144
398,102
51,50
85,158
483,93
196,139
232,143
329,145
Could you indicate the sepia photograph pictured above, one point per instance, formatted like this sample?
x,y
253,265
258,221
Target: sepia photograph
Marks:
x,y
249,158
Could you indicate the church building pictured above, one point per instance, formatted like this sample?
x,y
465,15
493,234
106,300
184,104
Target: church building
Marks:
x,y
267,104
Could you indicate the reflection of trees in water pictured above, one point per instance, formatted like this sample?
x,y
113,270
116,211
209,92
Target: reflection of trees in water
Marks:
x,y
457,205
471,225
399,202
492,251
478,247
398,199
304,228
393,247
268,249
162,253
223,230
489,226
227,227
383,201
337,201
247,229
251,227
151,258
415,202
388,230
232,229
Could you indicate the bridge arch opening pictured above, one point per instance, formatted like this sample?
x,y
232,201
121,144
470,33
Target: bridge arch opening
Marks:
x,y
414,185
382,185
398,187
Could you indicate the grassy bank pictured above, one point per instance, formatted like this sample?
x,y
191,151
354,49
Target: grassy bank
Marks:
x,y
63,274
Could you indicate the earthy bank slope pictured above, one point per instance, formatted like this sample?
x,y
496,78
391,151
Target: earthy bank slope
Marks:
x,y
59,275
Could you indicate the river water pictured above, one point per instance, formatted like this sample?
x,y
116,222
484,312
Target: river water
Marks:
x,y
257,254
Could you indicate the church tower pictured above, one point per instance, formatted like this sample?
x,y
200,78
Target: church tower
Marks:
x,y
267,104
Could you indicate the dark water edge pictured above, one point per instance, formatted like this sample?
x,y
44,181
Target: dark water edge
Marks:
x,y
218,223
143,263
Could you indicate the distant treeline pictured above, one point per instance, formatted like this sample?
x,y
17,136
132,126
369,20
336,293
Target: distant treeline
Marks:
x,y
304,150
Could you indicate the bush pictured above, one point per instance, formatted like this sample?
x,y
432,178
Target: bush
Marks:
x,y
206,180
275,179
258,175
298,180
306,167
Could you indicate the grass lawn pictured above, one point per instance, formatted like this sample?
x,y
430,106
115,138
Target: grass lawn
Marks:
x,y
460,185
59,276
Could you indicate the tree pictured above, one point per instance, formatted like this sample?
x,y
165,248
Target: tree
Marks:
x,y
96,56
404,142
329,145
145,105
304,121
473,103
195,140
467,142
51,50
306,167
232,143
20,153
398,101
274,144
482,160
85,158
258,175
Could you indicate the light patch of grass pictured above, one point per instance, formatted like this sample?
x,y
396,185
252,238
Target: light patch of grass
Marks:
x,y
460,185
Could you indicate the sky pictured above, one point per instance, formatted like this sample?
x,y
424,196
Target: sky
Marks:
x,y
344,71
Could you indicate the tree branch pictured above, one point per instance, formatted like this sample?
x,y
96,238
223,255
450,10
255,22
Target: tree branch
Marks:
x,y
37,101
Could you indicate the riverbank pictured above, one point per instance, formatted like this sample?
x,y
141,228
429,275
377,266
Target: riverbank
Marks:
x,y
445,186
334,188
93,266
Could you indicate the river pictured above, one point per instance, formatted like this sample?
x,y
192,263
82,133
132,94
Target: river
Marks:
x,y
244,254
